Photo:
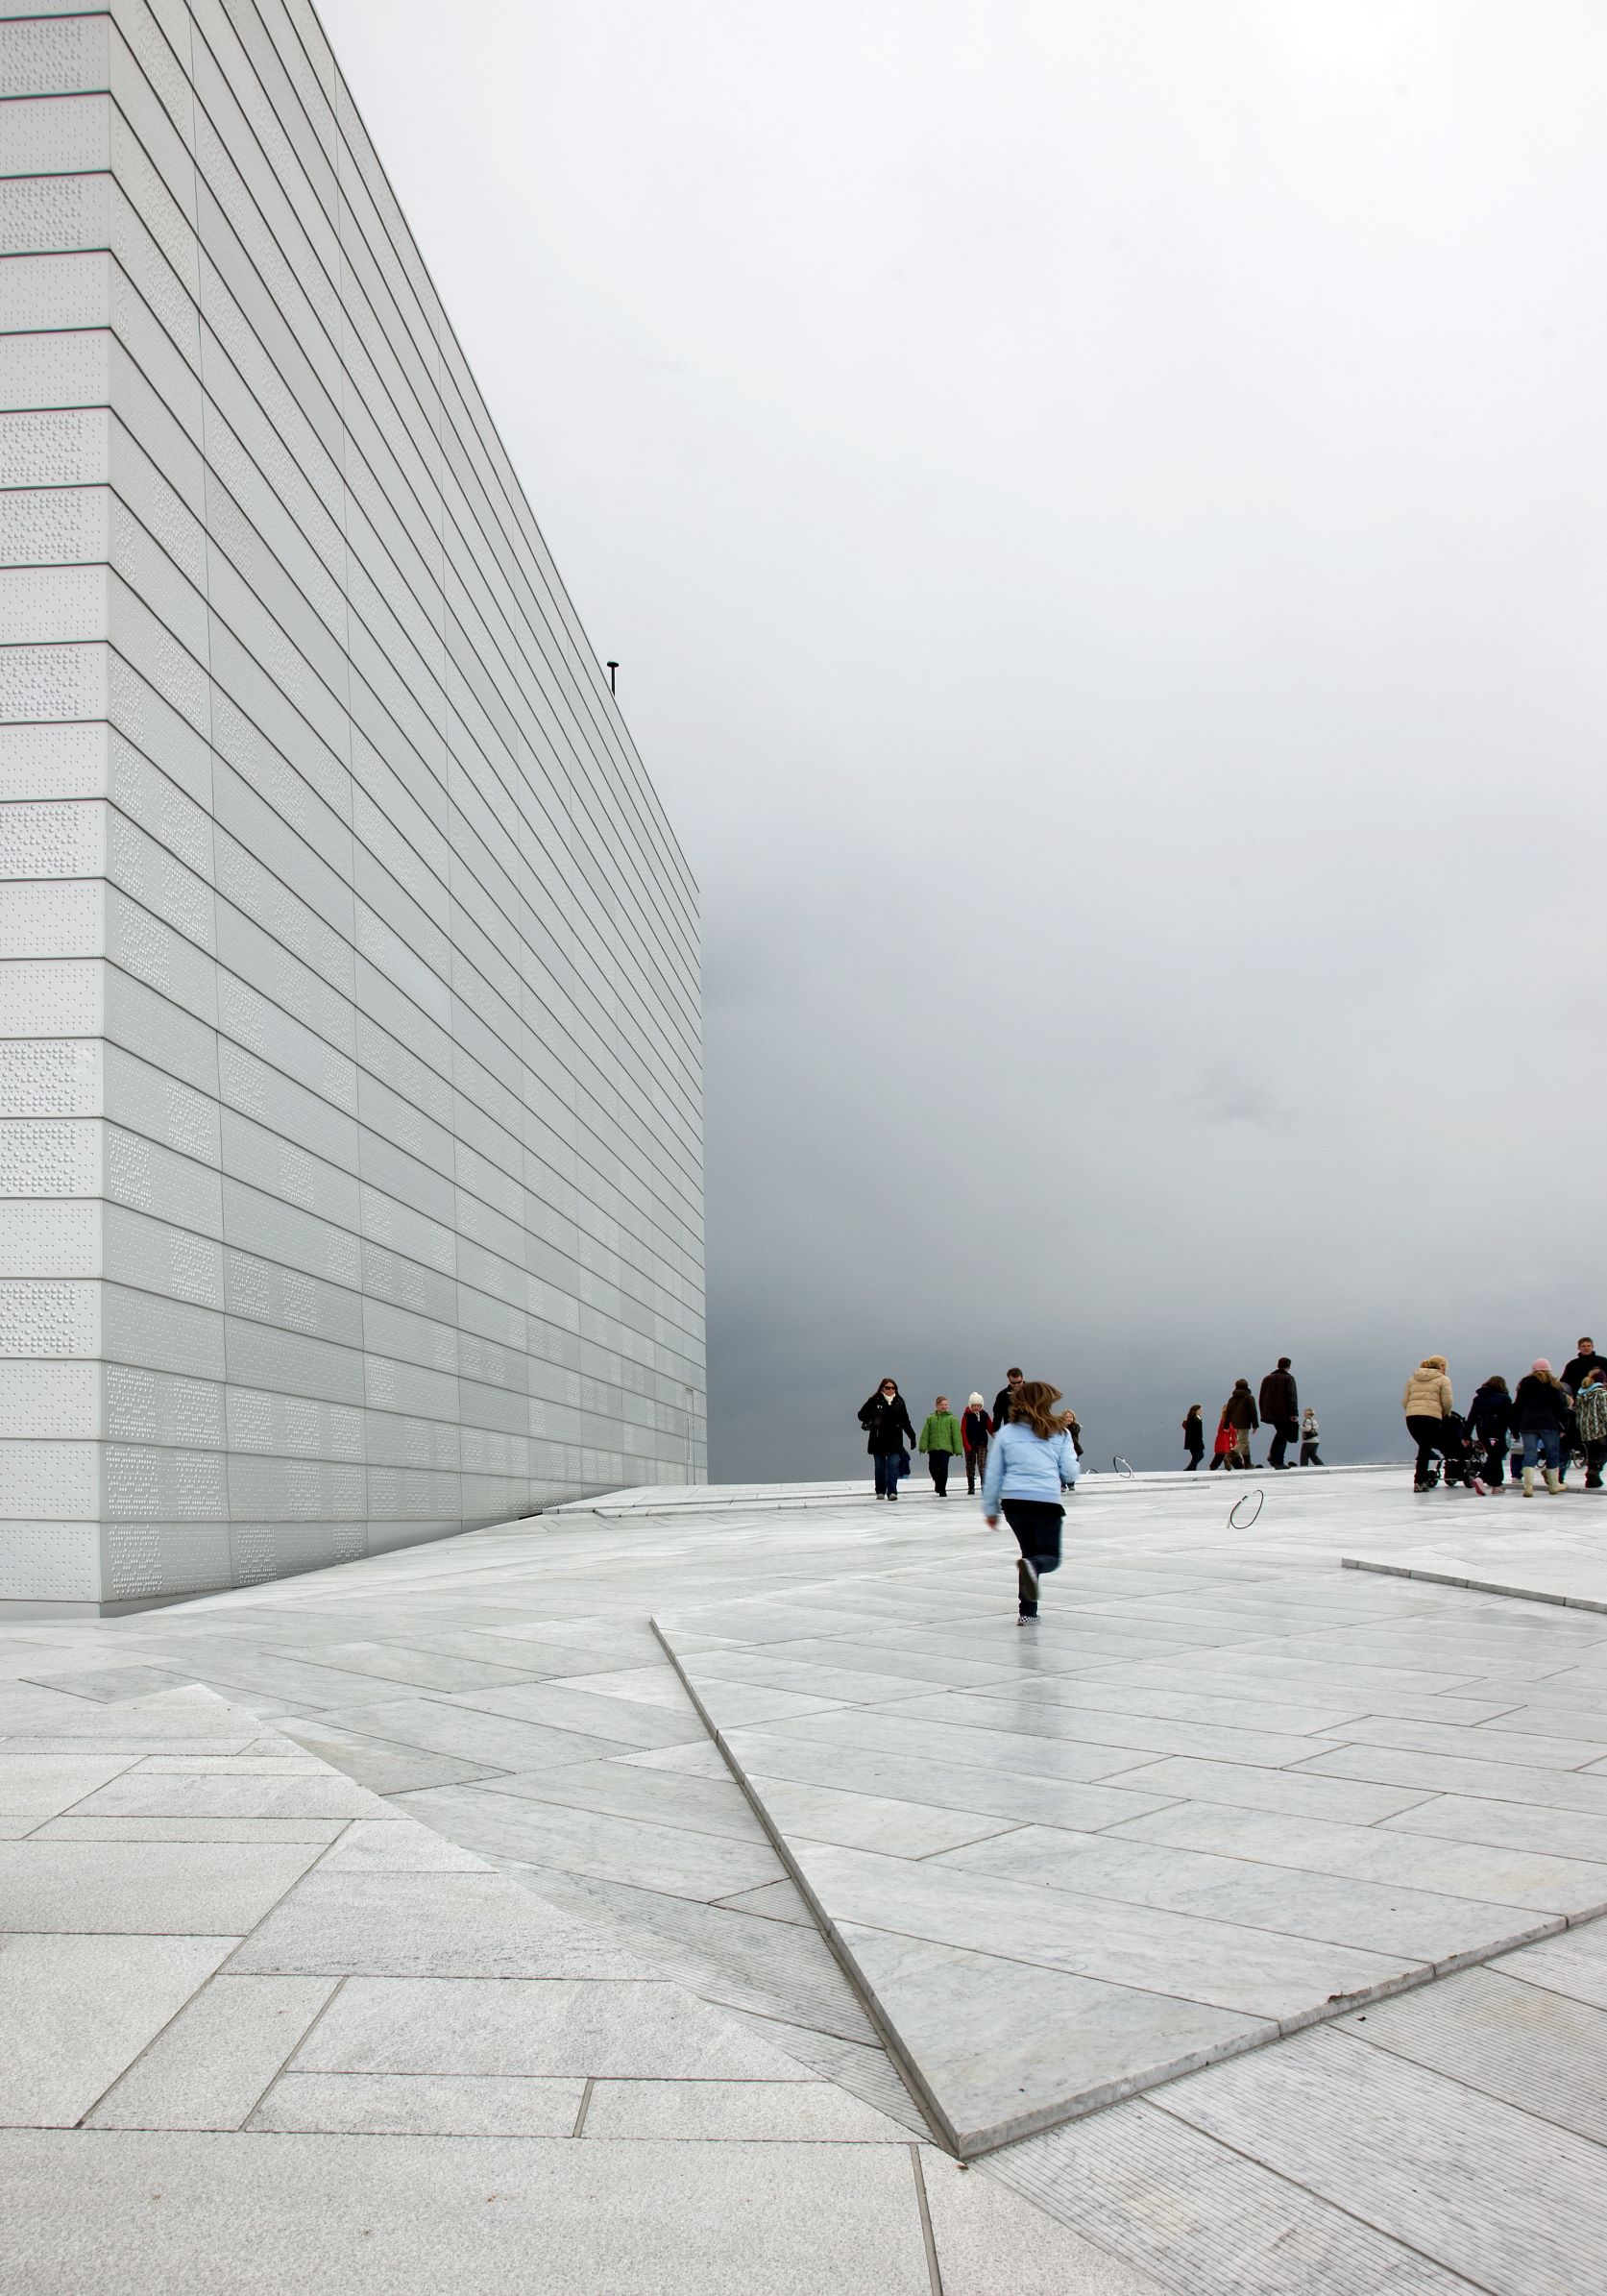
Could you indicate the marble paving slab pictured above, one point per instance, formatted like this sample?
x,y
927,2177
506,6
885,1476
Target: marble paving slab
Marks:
x,y
1051,1896
372,2061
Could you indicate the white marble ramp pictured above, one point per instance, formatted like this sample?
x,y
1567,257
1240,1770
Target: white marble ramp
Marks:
x,y
1555,1551
258,2031
1059,1878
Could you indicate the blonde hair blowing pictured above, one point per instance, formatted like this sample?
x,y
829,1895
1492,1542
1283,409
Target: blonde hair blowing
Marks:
x,y
1034,1407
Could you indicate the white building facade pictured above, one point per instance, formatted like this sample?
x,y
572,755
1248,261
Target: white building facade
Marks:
x,y
350,1088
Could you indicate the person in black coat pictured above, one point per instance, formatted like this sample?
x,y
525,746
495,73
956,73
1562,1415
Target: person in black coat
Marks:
x,y
1003,1402
1490,1423
1280,1411
1574,1370
1541,1410
889,1437
1194,1437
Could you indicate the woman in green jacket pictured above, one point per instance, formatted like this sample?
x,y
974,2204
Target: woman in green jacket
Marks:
x,y
940,1439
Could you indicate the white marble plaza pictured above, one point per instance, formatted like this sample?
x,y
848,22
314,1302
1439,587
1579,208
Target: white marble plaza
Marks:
x,y
455,1896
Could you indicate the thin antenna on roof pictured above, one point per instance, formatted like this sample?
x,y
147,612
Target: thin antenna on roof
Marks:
x,y
612,666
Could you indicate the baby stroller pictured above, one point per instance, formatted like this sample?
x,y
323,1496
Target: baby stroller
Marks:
x,y
1459,1453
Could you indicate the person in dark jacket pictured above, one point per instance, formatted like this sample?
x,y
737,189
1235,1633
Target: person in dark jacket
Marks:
x,y
1280,1411
1004,1402
1577,1366
975,1428
1539,1413
1239,1412
1194,1436
1589,1406
1490,1423
889,1437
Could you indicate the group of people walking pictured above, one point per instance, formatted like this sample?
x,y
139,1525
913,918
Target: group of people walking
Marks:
x,y
1542,1425
1277,1407
1025,1453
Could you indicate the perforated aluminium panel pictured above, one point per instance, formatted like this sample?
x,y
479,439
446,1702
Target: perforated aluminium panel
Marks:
x,y
350,1097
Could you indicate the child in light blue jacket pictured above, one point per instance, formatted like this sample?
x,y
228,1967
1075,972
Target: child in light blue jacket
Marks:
x,y
1030,1462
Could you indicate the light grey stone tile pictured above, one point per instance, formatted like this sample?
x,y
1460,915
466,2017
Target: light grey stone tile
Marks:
x,y
442,1726
1302,1793
290,1762
1505,1825
946,1785
730,1703
701,1760
1457,1868
996,1709
419,1670
382,1764
239,1671
163,1794
633,2030
714,1805
684,1863
1382,1917
449,1924
991,2242
907,1666
130,1734
863,2068
1559,1720
902,1830
871,1727
1256,1973
1450,1774
353,2215
1493,1742
171,1889
570,1706
719,2112
732,1958
767,1668
1307,1677
655,1685
41,1785
1207,2221
109,1684
208,2069
320,1831
1479,2188
1574,1963
1002,2047
26,1710
396,1844
421,2104
1104,1697
76,2011
1533,2049
776,1901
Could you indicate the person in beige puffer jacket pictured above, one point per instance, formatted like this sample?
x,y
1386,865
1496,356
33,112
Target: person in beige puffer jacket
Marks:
x,y
1428,1402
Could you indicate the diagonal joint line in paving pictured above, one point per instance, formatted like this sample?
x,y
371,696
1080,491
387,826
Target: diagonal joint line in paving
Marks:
x,y
967,2146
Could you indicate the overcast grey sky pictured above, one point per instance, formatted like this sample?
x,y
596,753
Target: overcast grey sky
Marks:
x,y
1101,512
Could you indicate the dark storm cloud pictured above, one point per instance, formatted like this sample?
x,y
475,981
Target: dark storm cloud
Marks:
x,y
1101,512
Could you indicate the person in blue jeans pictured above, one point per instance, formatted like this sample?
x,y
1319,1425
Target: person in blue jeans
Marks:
x,y
1540,1414
1031,1461
886,1422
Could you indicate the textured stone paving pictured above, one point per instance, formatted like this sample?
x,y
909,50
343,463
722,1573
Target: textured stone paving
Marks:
x,y
259,2031
1059,1878
505,1691
1555,1555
